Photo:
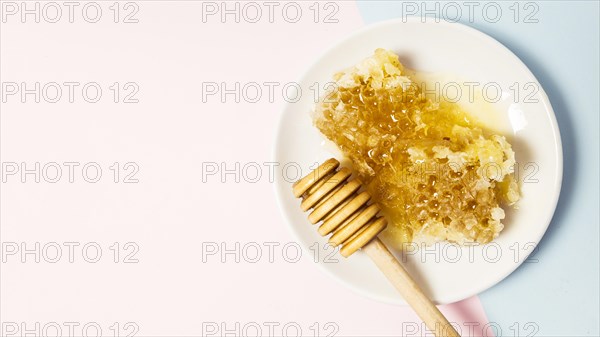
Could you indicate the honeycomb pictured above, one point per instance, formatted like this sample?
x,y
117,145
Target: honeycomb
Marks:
x,y
437,174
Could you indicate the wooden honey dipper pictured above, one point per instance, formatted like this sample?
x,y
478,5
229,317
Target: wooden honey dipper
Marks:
x,y
343,211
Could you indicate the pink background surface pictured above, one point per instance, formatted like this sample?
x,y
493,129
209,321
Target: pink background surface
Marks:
x,y
169,134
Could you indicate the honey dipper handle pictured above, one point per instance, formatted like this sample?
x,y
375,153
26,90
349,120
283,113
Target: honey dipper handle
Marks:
x,y
409,289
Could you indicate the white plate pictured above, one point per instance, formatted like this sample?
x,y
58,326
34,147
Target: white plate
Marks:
x,y
447,273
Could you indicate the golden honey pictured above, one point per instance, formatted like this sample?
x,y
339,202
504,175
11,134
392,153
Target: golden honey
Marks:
x,y
436,173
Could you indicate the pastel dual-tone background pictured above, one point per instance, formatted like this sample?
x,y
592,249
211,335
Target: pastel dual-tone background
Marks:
x,y
179,234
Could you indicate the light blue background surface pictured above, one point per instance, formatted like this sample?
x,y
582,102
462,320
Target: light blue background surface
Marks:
x,y
560,293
